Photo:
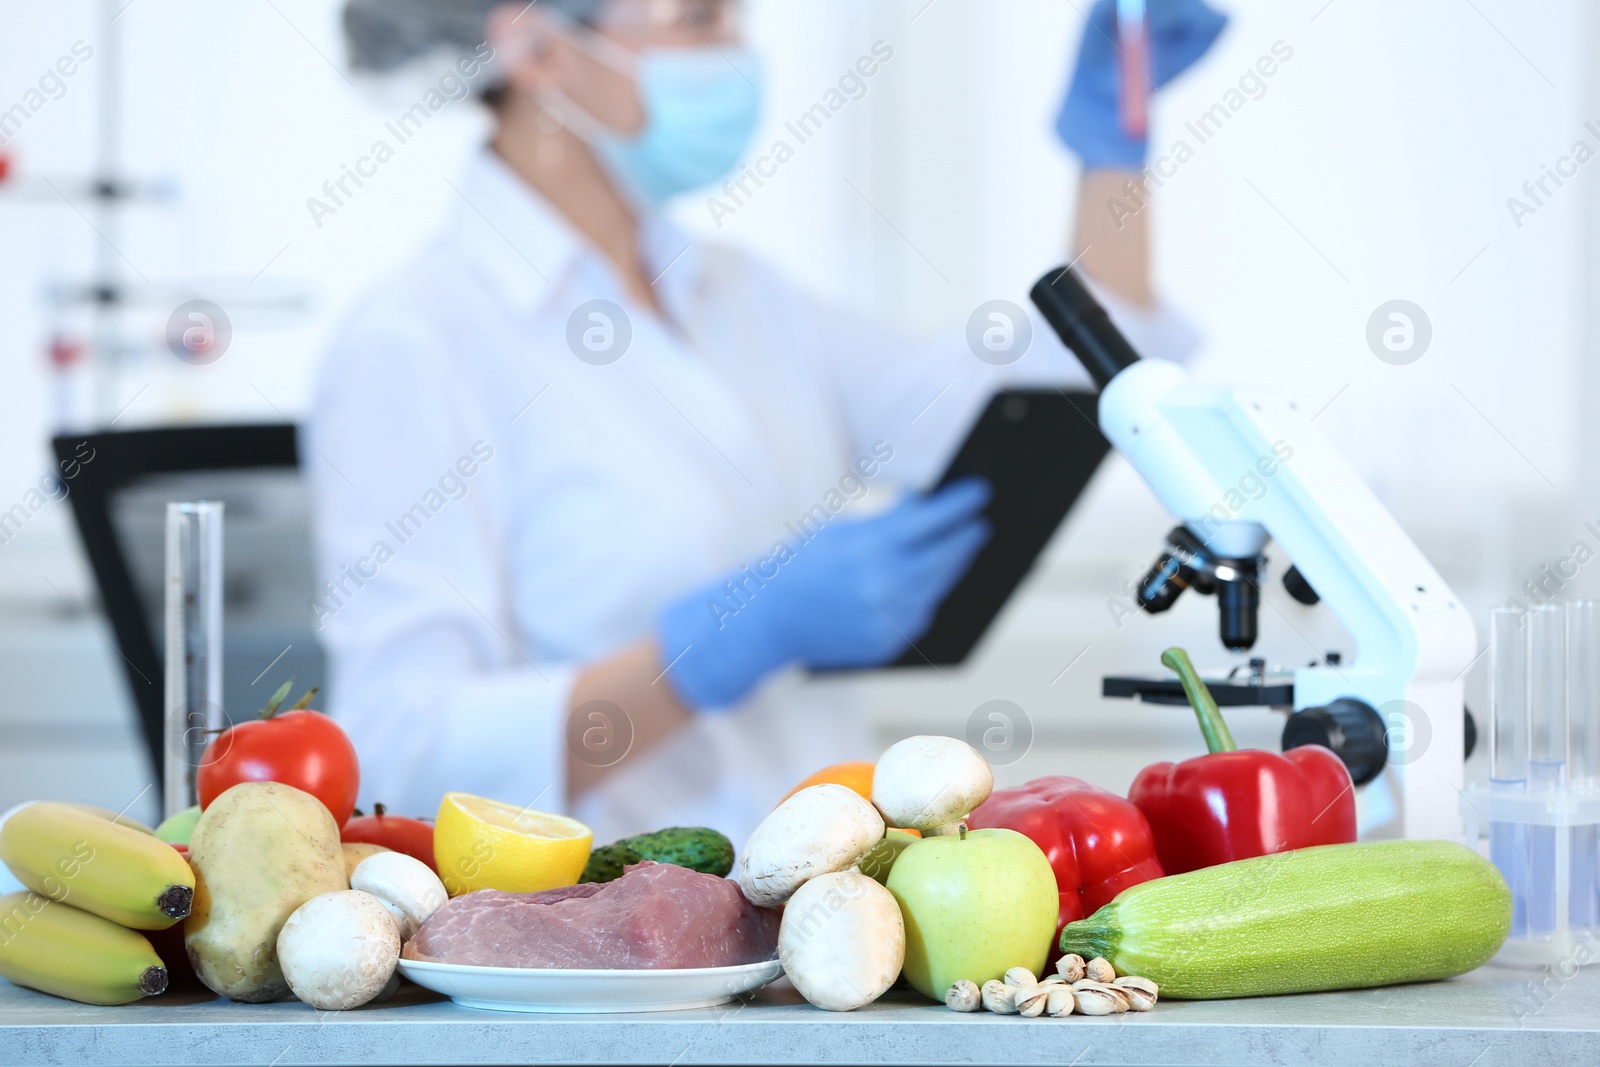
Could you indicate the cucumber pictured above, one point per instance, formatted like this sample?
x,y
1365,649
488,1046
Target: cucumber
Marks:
x,y
606,862
695,847
1329,917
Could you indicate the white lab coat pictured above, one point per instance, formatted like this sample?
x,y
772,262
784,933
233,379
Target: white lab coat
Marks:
x,y
552,507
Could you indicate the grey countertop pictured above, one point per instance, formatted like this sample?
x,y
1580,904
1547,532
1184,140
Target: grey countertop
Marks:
x,y
1493,1016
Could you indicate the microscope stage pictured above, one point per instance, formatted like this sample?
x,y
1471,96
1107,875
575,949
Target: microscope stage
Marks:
x,y
1241,689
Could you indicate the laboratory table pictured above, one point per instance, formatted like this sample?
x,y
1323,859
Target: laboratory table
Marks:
x,y
1493,1016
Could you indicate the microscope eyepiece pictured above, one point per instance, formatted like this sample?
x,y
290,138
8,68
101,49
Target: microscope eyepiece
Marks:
x,y
1083,325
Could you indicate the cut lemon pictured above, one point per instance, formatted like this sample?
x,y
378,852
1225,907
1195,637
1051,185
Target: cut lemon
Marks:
x,y
483,844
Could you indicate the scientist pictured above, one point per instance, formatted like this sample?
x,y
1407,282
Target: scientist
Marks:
x,y
580,477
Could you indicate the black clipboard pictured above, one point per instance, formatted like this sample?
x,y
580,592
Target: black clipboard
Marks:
x,y
1037,449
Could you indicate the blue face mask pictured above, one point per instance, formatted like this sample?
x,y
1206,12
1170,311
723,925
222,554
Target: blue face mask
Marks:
x,y
701,107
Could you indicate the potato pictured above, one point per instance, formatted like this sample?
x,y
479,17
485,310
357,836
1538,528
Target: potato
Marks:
x,y
259,851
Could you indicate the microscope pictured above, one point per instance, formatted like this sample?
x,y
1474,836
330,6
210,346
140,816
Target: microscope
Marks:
x,y
1394,711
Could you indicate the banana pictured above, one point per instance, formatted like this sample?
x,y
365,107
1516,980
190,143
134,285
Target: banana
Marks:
x,y
104,813
76,857
121,820
55,948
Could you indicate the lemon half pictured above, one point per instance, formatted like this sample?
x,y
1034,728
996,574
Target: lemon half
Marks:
x,y
483,844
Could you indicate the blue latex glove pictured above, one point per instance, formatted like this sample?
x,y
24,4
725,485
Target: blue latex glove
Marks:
x,y
852,596
1181,31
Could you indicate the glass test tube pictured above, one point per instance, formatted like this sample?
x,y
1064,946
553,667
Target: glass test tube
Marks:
x,y
1583,751
1508,753
194,645
1547,752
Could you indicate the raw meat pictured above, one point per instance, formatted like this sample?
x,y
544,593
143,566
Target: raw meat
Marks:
x,y
657,915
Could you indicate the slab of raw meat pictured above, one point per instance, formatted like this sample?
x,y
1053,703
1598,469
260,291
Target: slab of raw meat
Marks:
x,y
657,915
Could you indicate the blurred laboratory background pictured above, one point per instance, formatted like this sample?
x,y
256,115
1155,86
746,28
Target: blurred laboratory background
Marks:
x,y
1424,152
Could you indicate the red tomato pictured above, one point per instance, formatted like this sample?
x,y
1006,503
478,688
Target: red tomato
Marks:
x,y
304,749
394,832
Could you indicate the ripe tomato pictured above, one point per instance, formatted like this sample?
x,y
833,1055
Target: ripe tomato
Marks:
x,y
301,748
394,832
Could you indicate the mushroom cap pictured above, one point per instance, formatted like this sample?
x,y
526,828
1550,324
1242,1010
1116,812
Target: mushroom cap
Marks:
x,y
405,885
819,830
842,941
356,851
927,782
338,950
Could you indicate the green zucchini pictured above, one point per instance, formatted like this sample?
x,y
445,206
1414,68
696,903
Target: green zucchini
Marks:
x,y
695,847
1330,917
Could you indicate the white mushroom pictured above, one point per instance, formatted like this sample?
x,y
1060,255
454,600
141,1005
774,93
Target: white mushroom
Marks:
x,y
842,940
355,852
390,988
819,830
405,885
928,782
339,950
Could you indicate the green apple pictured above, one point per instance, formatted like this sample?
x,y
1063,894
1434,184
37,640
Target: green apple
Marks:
x,y
975,904
880,861
175,829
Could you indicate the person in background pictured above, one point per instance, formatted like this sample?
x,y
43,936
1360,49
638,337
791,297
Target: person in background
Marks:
x,y
582,480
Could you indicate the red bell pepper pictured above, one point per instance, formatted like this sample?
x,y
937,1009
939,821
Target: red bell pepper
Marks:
x,y
1097,843
1235,803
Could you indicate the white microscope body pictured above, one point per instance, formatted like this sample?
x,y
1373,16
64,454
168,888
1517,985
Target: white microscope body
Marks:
x,y
1414,640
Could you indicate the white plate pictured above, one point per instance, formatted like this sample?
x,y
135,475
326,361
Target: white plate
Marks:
x,y
589,991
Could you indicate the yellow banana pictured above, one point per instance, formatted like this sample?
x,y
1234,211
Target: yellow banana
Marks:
x,y
76,857
55,948
121,820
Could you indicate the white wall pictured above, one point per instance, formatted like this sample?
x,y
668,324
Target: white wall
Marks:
x,y
1376,165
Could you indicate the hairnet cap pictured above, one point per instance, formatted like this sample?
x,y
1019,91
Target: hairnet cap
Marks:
x,y
383,35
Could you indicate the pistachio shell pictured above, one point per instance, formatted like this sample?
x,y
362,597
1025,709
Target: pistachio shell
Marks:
x,y
1095,1001
999,997
963,995
1141,992
1119,997
1031,1000
1100,970
1020,976
1061,1001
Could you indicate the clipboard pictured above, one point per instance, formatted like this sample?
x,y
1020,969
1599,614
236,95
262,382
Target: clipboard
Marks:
x,y
1038,449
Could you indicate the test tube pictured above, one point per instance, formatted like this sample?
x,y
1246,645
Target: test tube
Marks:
x,y
1508,753
1583,751
193,693
1547,754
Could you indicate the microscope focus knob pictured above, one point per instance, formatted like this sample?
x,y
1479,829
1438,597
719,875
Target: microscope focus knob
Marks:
x,y
1351,728
1296,585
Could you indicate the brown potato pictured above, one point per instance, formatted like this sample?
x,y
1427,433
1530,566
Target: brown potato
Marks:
x,y
259,851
